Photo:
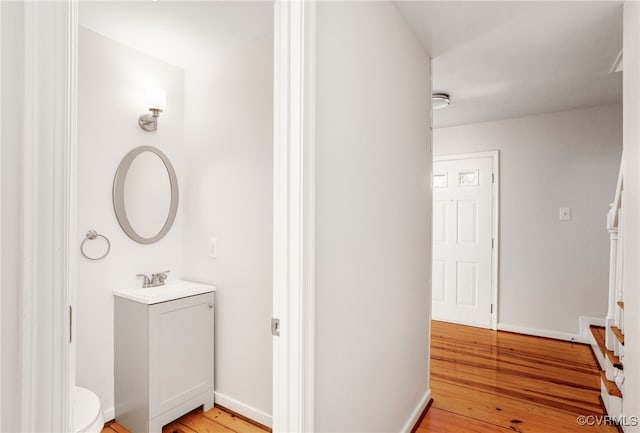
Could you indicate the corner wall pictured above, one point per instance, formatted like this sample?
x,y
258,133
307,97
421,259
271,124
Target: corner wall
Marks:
x,y
229,173
111,86
373,219
551,272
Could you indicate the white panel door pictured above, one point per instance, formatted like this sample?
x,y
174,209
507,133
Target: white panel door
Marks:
x,y
462,241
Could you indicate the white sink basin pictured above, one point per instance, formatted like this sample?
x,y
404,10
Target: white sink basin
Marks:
x,y
168,292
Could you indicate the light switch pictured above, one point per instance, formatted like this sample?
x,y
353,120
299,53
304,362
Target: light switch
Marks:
x,y
565,213
213,248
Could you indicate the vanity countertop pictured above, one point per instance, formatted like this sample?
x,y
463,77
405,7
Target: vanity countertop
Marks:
x,y
168,292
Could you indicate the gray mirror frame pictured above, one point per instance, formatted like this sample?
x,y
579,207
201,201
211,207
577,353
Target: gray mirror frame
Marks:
x,y
118,195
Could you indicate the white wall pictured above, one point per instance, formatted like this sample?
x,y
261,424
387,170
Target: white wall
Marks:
x,y
228,166
112,82
631,210
373,216
551,272
11,155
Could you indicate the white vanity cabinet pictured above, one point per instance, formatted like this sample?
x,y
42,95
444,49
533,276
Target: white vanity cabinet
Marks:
x,y
163,354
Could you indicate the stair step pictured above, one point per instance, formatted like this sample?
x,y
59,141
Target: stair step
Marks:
x,y
610,385
599,335
618,333
621,305
615,361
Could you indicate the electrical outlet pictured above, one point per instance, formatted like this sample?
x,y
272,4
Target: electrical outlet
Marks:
x,y
565,213
213,248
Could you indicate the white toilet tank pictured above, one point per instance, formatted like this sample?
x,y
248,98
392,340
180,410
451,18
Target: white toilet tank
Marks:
x,y
88,414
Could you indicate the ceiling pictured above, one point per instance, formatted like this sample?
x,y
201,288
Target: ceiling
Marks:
x,y
182,33
509,58
498,59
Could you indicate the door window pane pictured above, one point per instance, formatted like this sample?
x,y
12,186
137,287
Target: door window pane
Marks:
x,y
440,180
468,178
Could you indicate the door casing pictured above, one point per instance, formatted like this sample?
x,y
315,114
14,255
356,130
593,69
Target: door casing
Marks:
x,y
294,141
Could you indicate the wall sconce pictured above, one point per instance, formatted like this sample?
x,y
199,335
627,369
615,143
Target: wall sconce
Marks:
x,y
156,101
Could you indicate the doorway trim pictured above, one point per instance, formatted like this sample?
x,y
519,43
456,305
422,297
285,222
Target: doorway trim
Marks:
x,y
46,359
1,346
50,75
294,215
495,219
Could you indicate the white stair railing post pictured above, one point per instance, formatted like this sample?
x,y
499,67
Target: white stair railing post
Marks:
x,y
613,278
619,316
619,264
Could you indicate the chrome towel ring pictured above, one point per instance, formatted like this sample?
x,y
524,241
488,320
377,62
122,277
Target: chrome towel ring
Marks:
x,y
91,235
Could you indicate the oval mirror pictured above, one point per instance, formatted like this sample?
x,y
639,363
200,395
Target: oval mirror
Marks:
x,y
145,194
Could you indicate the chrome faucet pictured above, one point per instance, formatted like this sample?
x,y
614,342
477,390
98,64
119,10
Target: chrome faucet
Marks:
x,y
154,280
159,278
146,282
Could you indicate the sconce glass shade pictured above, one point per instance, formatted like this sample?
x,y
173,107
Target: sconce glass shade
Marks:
x,y
156,99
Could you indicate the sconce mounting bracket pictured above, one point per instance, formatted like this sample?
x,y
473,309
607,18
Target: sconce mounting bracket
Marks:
x,y
148,122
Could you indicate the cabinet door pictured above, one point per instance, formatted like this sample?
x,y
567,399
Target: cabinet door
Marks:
x,y
180,351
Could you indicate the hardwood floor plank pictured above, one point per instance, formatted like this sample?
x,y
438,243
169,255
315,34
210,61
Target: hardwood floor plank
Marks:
x,y
198,422
531,370
507,412
176,427
232,422
118,428
563,386
485,381
561,403
442,421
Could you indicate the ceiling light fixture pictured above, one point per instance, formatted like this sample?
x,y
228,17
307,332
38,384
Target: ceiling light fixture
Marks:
x,y
440,100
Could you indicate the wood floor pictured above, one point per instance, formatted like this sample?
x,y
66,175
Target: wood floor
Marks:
x,y
482,382
217,420
491,382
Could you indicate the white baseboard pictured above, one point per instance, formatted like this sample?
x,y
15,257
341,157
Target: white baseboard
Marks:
x,y
459,322
109,414
583,337
244,409
228,402
415,415
585,322
542,333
